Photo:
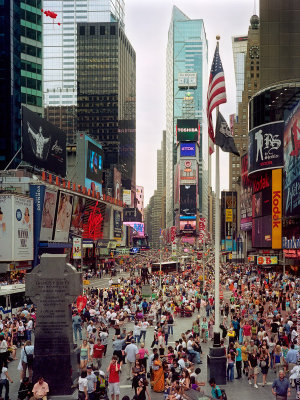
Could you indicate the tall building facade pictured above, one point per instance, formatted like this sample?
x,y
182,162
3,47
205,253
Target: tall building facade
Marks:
x,y
186,53
106,94
239,49
140,193
279,41
10,82
60,43
31,54
251,86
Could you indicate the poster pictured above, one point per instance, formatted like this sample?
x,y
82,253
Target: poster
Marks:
x,y
127,197
48,216
246,196
291,185
63,217
23,229
43,144
6,227
188,200
117,184
117,224
265,147
78,215
76,250
188,172
37,193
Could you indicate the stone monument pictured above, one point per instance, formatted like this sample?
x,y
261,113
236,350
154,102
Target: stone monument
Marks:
x,y
52,286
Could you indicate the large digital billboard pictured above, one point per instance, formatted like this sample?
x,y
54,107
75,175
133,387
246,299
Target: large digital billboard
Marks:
x,y
117,224
63,217
94,162
188,172
262,232
188,200
187,149
48,216
187,130
188,227
291,185
246,196
265,147
138,228
228,218
43,144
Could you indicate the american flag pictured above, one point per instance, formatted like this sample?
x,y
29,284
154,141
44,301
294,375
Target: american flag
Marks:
x,y
216,94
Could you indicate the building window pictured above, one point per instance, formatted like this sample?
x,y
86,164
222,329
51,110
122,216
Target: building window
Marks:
x,y
102,30
113,30
92,30
82,30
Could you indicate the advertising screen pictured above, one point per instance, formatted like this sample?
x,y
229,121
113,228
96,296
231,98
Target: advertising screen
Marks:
x,y
188,227
117,184
48,216
187,80
188,172
117,224
246,196
37,193
138,228
262,232
187,130
94,162
188,200
43,144
267,260
187,149
291,185
266,147
127,197
63,219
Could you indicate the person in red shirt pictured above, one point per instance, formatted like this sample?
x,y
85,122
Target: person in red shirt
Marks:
x,y
114,380
246,331
98,350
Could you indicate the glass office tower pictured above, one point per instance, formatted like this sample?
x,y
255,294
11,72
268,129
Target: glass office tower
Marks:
x,y
186,52
60,47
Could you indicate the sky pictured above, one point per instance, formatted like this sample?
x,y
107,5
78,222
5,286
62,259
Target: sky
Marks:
x,y
146,25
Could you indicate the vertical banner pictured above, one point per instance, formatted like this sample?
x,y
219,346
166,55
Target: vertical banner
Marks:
x,y
76,248
276,208
37,192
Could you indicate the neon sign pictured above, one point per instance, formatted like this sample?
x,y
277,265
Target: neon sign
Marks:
x,y
92,228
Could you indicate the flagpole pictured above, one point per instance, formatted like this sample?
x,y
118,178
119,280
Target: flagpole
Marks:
x,y
217,242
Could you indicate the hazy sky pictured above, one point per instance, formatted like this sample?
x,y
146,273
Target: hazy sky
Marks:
x,y
146,25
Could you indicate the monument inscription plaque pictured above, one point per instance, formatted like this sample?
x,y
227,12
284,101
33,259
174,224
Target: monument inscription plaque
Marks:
x,y
53,286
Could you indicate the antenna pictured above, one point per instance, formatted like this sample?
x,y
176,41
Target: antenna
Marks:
x,y
254,8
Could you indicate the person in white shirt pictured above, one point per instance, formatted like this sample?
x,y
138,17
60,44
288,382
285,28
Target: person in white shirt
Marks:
x,y
82,386
137,332
29,327
144,327
131,350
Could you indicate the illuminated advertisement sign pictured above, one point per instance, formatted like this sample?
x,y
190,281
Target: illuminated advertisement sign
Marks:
x,y
188,171
117,224
202,230
94,164
138,228
187,149
188,227
262,232
265,147
127,197
188,200
292,163
246,196
187,80
228,216
63,217
277,209
269,260
187,130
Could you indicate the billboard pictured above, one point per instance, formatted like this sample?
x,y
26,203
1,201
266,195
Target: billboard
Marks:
x,y
188,200
265,147
16,228
188,172
63,217
117,224
127,197
76,250
188,227
277,209
291,186
262,232
94,162
37,193
177,185
187,130
187,80
48,216
78,215
117,184
187,149
43,144
267,260
202,230
228,217
138,228
246,196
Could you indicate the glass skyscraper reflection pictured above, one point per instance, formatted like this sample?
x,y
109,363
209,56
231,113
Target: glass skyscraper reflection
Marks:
x,y
186,52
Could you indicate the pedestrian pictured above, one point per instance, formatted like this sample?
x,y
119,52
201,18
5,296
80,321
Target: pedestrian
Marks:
x,y
84,354
264,362
98,350
281,387
40,390
76,323
253,368
144,326
91,382
131,351
113,371
143,354
26,360
4,382
238,360
215,390
82,386
230,363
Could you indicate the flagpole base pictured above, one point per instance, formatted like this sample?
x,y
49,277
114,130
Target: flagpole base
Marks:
x,y
217,361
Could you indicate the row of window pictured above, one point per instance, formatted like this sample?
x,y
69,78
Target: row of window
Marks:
x,y
31,50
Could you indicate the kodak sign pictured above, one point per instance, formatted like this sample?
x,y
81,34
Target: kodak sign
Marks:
x,y
277,209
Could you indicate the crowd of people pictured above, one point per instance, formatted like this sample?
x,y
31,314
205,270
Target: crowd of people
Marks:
x,y
258,328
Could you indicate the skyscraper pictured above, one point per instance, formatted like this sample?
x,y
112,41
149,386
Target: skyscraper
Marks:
x,y
239,49
59,69
10,82
186,53
106,68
